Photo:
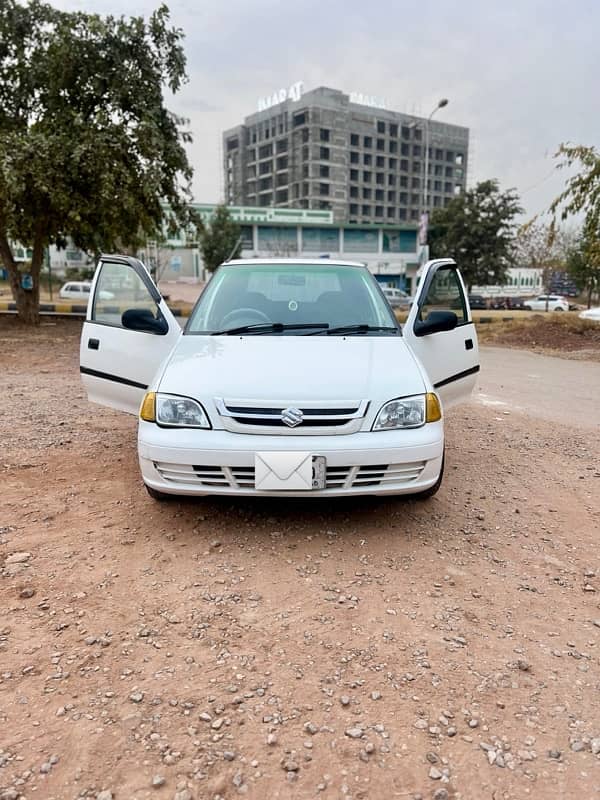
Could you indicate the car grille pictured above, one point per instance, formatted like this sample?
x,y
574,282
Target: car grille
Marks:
x,y
217,477
256,417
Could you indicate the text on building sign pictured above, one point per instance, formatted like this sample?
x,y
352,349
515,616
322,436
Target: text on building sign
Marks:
x,y
294,92
368,100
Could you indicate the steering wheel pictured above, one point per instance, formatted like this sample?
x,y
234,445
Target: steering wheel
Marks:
x,y
247,316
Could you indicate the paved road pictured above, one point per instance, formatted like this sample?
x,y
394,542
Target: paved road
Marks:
x,y
566,391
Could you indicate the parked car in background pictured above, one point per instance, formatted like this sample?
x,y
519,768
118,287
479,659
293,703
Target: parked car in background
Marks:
x,y
80,290
477,301
592,314
397,298
553,302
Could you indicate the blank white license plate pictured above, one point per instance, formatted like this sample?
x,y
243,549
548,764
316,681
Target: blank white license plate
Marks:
x,y
319,472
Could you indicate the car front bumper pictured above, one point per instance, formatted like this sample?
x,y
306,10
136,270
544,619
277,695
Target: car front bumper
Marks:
x,y
199,462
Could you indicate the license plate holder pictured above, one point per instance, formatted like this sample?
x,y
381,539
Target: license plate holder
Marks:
x,y
319,472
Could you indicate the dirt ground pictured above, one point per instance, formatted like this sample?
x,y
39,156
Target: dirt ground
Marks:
x,y
555,333
215,648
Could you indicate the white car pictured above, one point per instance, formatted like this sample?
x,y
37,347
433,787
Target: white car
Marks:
x,y
553,302
592,314
80,290
396,297
291,377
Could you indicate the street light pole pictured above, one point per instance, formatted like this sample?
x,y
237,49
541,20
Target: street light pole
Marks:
x,y
424,193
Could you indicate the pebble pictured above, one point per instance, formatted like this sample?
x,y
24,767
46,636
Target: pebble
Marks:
x,y
136,697
441,794
345,700
473,723
435,774
595,746
354,733
311,728
158,780
556,754
106,794
28,592
290,766
18,558
229,755
375,695
577,746
183,794
271,739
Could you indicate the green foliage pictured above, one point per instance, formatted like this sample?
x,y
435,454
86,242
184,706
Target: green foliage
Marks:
x,y
582,190
583,261
219,239
477,229
87,147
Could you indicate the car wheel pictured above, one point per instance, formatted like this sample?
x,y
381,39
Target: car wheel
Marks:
x,y
527,308
558,308
427,493
156,495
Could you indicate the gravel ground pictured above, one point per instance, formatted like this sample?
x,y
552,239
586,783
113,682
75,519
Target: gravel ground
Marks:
x,y
359,649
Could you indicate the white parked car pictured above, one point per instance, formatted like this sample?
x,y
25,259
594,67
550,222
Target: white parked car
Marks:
x,y
291,377
396,297
592,314
80,290
554,302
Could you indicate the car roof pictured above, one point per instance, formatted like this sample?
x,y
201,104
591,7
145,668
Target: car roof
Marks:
x,y
292,262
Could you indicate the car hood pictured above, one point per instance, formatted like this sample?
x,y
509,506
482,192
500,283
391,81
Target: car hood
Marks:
x,y
291,369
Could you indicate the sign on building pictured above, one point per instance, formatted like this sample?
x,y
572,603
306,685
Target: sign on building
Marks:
x,y
294,92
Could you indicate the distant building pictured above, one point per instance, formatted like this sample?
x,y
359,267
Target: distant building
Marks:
x,y
332,151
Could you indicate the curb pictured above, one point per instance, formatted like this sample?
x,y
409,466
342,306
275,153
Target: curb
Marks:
x,y
68,309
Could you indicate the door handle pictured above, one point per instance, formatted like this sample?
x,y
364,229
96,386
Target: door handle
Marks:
x,y
93,344
468,344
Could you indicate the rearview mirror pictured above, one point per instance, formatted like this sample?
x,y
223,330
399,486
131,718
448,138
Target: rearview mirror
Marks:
x,y
436,321
142,319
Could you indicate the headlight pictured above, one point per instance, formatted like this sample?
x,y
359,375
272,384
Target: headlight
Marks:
x,y
408,412
173,411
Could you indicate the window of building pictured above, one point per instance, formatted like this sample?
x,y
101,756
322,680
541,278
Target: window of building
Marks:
x,y
324,134
381,144
354,191
367,177
265,183
366,193
324,153
391,197
367,159
457,189
323,171
282,146
325,205
404,180
305,170
414,199
404,164
252,154
380,178
305,189
354,139
253,135
438,169
380,126
305,154
449,155
415,183
379,211
323,189
366,211
353,157
437,201
418,134
379,193
414,214
305,135
322,240
405,132
353,174
391,180
459,159
265,199
393,147
437,186
439,154
368,141
233,143
391,212
402,213
403,198
448,172
282,162
380,162
416,149
281,179
251,172
265,151
405,149
300,118
393,129
361,240
277,238
251,187
281,196
353,210
416,167
392,163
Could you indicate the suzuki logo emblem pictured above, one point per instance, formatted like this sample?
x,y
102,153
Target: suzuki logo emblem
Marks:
x,y
292,417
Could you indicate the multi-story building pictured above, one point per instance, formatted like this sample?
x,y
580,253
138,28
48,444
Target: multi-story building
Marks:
x,y
324,150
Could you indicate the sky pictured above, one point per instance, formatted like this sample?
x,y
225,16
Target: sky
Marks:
x,y
521,74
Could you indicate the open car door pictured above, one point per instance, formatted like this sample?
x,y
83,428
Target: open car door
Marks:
x,y
127,334
451,356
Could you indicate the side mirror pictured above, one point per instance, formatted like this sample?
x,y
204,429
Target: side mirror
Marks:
x,y
436,321
142,319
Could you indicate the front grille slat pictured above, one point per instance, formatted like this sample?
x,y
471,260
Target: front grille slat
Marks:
x,y
253,416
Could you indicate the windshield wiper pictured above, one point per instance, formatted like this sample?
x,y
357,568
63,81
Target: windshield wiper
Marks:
x,y
270,327
359,328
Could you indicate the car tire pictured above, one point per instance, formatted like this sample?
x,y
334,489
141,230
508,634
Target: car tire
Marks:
x,y
527,308
427,493
161,497
558,308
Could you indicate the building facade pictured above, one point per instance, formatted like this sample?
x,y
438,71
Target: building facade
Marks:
x,y
332,151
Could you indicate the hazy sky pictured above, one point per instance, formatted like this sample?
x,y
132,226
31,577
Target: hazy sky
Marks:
x,y
522,75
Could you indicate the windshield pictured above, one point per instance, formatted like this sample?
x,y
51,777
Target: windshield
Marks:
x,y
292,300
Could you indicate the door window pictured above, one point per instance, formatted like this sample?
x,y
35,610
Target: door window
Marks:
x,y
444,293
119,288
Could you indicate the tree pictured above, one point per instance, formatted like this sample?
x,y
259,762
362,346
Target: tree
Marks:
x,y
477,229
583,261
87,146
539,247
219,238
582,191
